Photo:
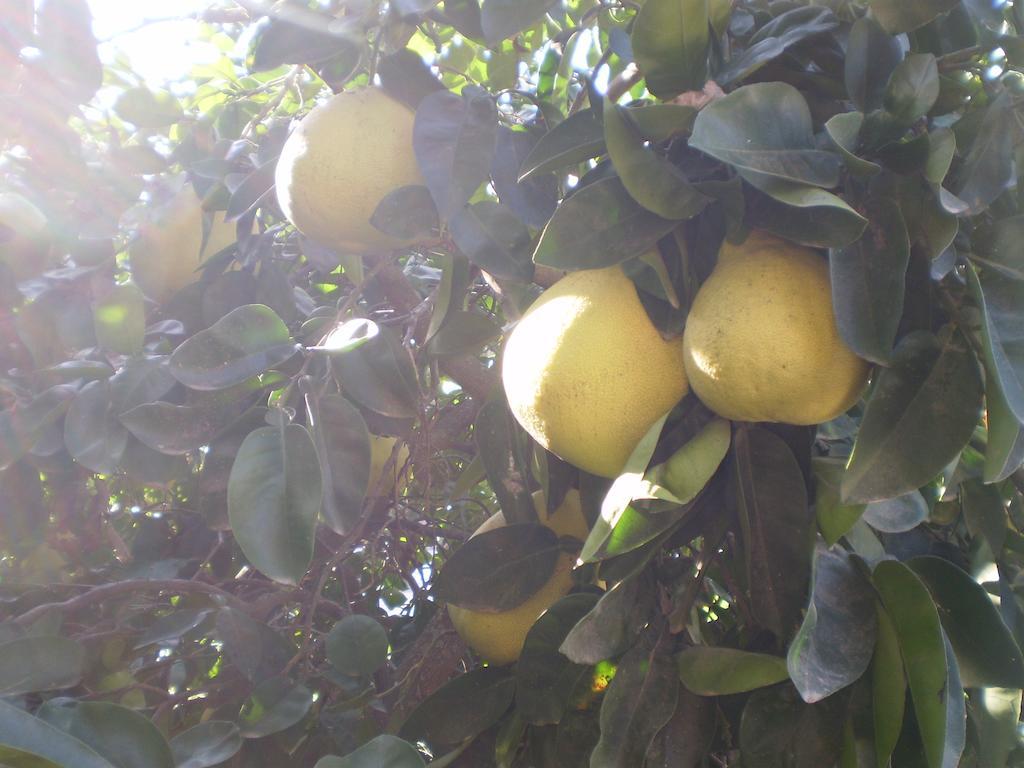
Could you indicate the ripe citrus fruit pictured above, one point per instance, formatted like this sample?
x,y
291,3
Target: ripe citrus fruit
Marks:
x,y
498,637
586,372
24,239
761,342
342,159
169,250
381,448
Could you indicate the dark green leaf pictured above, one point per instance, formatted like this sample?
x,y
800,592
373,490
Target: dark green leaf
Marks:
x,y
492,237
463,333
897,515
206,745
1001,301
711,671
670,42
384,751
598,226
986,652
274,496
654,182
20,730
988,168
120,320
407,213
871,56
778,730
462,708
124,737
532,201
544,677
995,712
499,569
575,140
913,88
250,192
868,279
275,705
835,518
844,130
502,450
380,376
171,626
343,447
916,622
640,700
316,40
771,499
245,342
834,645
44,663
688,735
613,624
956,711
21,427
1005,451
405,75
357,645
1007,250
804,214
765,130
921,414
888,689
500,19
454,138
908,15
92,433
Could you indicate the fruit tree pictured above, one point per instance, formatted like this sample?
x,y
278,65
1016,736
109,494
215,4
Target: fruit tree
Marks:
x,y
515,384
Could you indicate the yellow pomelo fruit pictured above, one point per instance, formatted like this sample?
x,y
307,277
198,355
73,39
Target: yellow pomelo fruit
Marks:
x,y
498,637
169,250
24,239
761,342
586,372
381,448
342,159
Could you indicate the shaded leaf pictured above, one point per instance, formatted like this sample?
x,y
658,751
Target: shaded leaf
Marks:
x,y
532,200
380,376
92,433
613,624
778,730
20,730
888,688
670,44
407,213
275,705
343,448
995,712
921,413
461,708
871,56
988,168
574,140
493,238
1001,302
383,751
463,332
804,214
897,515
500,19
844,131
913,88
908,15
23,425
124,737
280,42
37,663
274,496
206,744
357,645
245,342
834,645
712,671
835,519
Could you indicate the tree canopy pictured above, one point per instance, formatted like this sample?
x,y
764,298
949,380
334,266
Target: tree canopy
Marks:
x,y
253,405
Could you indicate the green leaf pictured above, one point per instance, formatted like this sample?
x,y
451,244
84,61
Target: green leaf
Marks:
x,y
499,569
868,282
1005,451
711,671
1001,301
274,496
640,700
463,332
686,472
1007,248
913,88
383,751
670,42
765,130
545,678
916,622
986,651
207,744
380,376
778,730
613,624
46,663
461,708
120,320
806,215
834,645
871,56
897,515
835,518
661,122
407,213
453,138
280,42
343,448
598,226
92,433
501,19
501,447
275,705
357,645
907,15
921,414
171,626
21,427
654,182
956,711
576,139
17,758
771,498
844,131
888,688
492,237
995,712
20,730
245,342
146,109
988,169
123,736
